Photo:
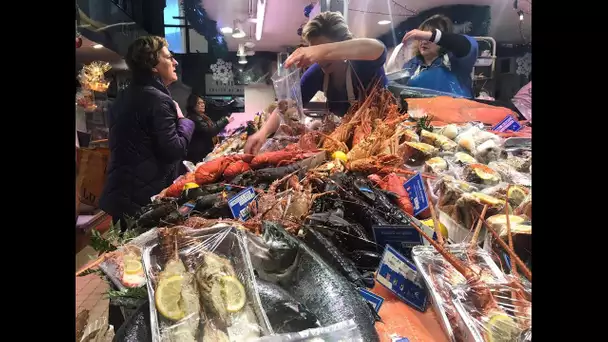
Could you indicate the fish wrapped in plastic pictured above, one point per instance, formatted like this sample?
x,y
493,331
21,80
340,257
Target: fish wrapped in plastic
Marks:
x,y
212,267
285,260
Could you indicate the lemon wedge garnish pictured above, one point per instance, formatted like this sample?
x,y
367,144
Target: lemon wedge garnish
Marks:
x,y
234,293
340,155
167,296
501,328
190,186
442,228
132,266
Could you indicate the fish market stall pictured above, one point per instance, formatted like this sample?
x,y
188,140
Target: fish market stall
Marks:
x,y
386,225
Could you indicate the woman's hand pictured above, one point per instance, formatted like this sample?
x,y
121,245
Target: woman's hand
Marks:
x,y
180,115
305,56
417,35
255,142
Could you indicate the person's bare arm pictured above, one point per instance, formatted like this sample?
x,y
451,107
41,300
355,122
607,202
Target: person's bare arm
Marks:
x,y
358,49
272,124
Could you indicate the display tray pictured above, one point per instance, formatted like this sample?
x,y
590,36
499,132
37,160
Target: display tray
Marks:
x,y
426,256
232,244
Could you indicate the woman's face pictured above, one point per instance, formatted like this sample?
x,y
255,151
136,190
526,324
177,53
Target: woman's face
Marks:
x,y
428,49
328,67
200,106
166,67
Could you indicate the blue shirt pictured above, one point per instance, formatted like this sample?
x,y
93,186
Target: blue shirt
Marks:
x,y
451,77
366,72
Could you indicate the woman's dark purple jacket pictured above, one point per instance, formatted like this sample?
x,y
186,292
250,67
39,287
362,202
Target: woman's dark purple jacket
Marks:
x,y
147,141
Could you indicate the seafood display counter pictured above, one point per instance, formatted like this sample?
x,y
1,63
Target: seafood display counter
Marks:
x,y
383,226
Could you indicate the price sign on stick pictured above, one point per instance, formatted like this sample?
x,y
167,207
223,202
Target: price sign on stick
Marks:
x,y
416,190
239,204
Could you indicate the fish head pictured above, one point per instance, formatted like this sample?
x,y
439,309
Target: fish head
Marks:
x,y
274,255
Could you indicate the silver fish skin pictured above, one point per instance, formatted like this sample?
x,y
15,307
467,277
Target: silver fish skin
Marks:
x,y
311,281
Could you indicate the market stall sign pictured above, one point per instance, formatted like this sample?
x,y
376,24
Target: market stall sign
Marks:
x,y
507,124
213,87
416,190
239,204
400,276
372,298
402,237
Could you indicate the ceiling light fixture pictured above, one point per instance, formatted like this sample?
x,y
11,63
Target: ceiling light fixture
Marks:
x,y
97,46
226,30
261,13
238,31
384,22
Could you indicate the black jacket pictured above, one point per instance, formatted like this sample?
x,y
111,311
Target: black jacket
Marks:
x,y
202,139
147,141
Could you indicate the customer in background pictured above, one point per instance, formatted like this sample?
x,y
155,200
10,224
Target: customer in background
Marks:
x,y
205,129
444,60
341,66
149,135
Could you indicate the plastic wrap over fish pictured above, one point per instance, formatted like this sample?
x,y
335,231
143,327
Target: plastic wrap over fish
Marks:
x,y
342,331
441,277
111,268
509,318
206,258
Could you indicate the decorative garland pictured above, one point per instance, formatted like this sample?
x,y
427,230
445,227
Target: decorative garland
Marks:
x,y
201,23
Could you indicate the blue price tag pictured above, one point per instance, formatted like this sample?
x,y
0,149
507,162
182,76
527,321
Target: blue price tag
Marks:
x,y
375,300
186,208
401,237
416,190
507,124
239,204
399,339
400,276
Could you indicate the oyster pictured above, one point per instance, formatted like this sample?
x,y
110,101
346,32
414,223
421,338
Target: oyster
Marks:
x,y
435,165
462,158
481,174
417,153
510,175
488,151
450,190
438,140
475,201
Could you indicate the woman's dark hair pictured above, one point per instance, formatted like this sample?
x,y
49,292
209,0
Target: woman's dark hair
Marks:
x,y
144,53
436,22
191,103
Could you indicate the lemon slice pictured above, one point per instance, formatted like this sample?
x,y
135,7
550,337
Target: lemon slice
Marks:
x,y
167,296
340,155
234,293
132,266
501,328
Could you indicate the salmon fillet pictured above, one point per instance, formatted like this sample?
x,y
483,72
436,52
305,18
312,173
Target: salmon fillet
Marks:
x,y
455,110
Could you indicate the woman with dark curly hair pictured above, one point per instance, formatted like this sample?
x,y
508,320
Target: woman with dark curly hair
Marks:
x,y
205,128
149,135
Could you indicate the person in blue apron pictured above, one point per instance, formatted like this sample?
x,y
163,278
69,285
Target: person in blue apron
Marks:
x,y
341,66
444,60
